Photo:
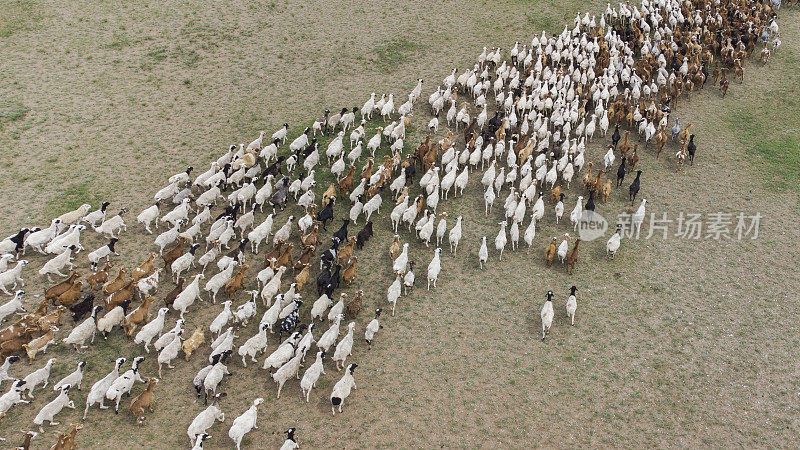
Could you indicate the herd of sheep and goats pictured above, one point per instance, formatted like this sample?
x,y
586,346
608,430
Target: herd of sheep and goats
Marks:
x,y
525,118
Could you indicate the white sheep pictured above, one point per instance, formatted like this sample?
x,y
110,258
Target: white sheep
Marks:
x,y
372,205
246,310
214,377
284,232
270,317
614,242
42,237
395,290
167,337
259,233
113,226
205,419
4,260
401,261
104,252
6,365
148,216
455,235
222,318
312,375
305,343
547,314
253,346
289,443
38,376
372,327
111,319
244,423
168,353
65,240
11,307
572,304
73,217
329,337
188,295
218,281
12,397
74,379
151,329
55,264
179,214
96,216
287,371
483,252
283,353
320,306
345,347
83,331
50,410
168,237
223,343
97,393
338,308
341,390
270,289
563,247
184,262
434,268
124,383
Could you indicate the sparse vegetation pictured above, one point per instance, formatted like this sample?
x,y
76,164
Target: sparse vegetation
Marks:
x,y
673,339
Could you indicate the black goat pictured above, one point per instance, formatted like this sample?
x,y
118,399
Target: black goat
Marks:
x,y
363,236
325,215
691,148
329,255
341,233
82,308
621,171
634,189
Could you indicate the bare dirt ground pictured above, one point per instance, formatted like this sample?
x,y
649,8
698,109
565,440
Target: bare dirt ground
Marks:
x,y
677,342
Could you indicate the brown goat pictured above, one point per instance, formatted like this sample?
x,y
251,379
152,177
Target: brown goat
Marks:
x,y
349,273
311,239
236,281
193,343
143,401
66,441
304,258
144,269
40,343
550,252
137,316
173,294
302,277
71,295
346,251
605,191
572,257
97,279
285,258
174,253
54,291
354,305
53,318
394,248
116,299
346,183
116,284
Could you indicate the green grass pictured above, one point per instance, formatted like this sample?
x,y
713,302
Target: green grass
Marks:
x,y
17,16
392,53
74,196
12,110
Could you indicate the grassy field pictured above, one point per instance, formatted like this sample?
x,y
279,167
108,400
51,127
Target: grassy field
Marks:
x,y
677,342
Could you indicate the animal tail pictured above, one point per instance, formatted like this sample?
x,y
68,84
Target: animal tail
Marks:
x,y
336,401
